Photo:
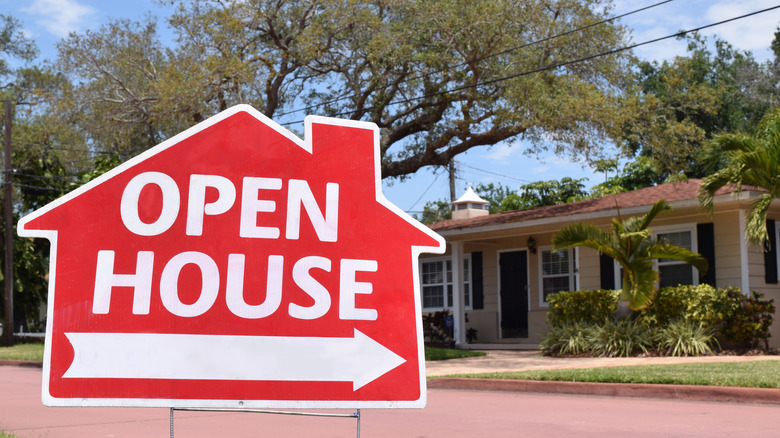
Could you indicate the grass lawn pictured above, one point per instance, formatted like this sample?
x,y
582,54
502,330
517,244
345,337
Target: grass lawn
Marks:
x,y
6,435
22,352
432,353
35,352
752,374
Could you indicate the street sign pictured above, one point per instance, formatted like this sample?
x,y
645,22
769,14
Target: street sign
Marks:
x,y
236,266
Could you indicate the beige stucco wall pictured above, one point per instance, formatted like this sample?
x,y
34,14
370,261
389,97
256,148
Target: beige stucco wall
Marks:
x,y
728,247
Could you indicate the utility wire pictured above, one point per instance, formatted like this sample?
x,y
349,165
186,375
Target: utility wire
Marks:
x,y
494,173
488,56
66,178
426,191
558,65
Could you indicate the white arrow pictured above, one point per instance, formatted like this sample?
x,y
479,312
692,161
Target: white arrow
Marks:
x,y
359,359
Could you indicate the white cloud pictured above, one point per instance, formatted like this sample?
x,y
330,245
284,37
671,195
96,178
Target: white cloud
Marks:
x,y
59,17
500,152
753,33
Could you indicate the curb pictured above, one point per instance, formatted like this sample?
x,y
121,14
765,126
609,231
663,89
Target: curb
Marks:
x,y
676,392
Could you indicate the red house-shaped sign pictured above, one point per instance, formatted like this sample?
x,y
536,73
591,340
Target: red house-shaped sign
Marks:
x,y
236,265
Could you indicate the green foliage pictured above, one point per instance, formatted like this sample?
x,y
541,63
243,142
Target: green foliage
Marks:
x,y
501,198
747,326
630,244
584,306
687,101
752,160
30,351
13,44
684,337
569,337
435,211
637,174
498,196
682,320
749,374
621,339
432,353
435,328
703,303
410,67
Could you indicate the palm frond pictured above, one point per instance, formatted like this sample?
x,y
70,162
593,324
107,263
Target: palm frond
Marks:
x,y
664,250
587,235
755,224
643,290
658,208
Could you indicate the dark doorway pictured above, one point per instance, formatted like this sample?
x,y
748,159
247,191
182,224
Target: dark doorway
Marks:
x,y
514,294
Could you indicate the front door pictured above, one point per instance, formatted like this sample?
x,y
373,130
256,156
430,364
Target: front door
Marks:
x,y
514,294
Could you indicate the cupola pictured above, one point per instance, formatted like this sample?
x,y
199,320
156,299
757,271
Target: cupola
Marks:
x,y
469,205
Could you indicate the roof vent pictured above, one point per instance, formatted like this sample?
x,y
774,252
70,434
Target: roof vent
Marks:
x,y
469,205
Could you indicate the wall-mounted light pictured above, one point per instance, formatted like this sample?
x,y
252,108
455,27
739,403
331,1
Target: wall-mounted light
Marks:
x,y
531,245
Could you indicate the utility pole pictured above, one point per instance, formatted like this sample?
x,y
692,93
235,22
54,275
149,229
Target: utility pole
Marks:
x,y
8,331
453,195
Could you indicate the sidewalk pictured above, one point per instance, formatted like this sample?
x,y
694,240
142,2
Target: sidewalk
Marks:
x,y
510,360
504,360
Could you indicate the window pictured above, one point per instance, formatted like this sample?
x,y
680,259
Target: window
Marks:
x,y
675,272
557,272
437,278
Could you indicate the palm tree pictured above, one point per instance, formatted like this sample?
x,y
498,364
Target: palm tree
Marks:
x,y
752,161
630,244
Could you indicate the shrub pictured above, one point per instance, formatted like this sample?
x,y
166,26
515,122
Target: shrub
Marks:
x,y
688,320
588,306
702,303
685,337
621,339
568,338
749,320
435,327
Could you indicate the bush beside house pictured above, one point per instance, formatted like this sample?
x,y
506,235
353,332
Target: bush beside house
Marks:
x,y
682,321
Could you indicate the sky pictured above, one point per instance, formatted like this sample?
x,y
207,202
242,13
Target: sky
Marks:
x,y
48,21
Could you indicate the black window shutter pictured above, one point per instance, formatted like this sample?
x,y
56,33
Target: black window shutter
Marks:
x,y
770,254
705,236
477,292
607,271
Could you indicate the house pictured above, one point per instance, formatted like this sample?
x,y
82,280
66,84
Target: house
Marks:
x,y
499,269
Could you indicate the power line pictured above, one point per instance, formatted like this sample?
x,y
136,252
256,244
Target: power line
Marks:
x,y
66,178
488,56
558,65
426,190
494,173
28,186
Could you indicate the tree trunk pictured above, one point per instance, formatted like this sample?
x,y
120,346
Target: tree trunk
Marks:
x,y
623,311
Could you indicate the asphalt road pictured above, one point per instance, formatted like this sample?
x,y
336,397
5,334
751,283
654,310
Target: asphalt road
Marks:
x,y
450,413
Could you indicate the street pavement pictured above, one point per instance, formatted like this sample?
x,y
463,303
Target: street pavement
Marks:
x,y
456,407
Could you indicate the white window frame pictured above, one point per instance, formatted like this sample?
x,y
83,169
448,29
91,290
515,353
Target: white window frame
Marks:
x,y
573,274
447,282
667,229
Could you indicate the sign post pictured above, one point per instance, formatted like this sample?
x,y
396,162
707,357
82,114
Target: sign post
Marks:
x,y
236,266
